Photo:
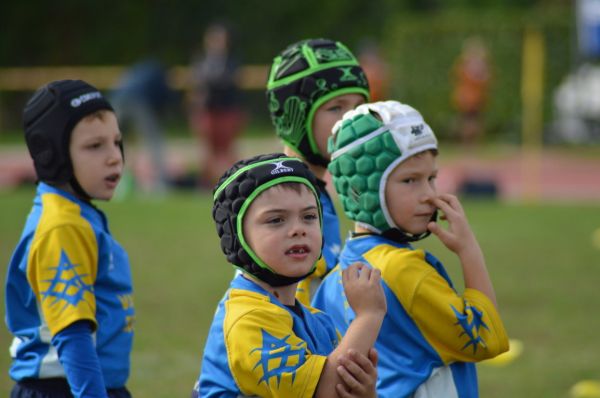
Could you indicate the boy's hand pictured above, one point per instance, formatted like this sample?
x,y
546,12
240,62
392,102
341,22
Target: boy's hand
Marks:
x,y
363,289
358,374
458,237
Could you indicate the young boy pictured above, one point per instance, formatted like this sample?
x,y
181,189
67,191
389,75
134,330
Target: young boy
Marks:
x,y
263,342
312,83
68,290
384,169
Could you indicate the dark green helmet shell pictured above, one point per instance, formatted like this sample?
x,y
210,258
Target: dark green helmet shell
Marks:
x,y
304,76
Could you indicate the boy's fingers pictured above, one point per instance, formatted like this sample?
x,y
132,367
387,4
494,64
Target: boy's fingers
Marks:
x,y
437,230
452,201
442,205
342,391
353,271
374,357
365,273
361,360
348,376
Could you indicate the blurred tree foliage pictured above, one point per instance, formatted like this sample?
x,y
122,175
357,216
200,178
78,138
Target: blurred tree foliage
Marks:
x,y
420,39
422,49
84,32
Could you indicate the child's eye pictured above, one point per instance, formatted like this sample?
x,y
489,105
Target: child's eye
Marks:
x,y
119,142
275,220
94,145
432,178
334,108
311,217
408,180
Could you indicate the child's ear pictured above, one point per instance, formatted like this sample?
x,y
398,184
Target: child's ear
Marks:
x,y
41,149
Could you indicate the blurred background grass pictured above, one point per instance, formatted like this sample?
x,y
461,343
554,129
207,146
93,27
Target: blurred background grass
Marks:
x,y
541,259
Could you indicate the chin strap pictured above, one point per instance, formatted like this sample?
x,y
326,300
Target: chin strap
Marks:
x,y
397,235
79,190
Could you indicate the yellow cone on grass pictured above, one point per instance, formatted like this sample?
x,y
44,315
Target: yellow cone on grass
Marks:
x,y
585,389
514,351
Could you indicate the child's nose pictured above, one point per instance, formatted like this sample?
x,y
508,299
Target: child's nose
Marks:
x,y
115,156
428,192
298,229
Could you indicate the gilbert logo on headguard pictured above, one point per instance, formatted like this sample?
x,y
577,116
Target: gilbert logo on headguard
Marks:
x,y
76,102
417,130
281,168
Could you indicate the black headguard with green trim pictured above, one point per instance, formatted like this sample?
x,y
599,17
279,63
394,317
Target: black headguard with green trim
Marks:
x,y
304,76
234,193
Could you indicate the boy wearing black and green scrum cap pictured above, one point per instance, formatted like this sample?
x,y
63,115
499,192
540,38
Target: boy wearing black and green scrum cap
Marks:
x,y
262,341
312,83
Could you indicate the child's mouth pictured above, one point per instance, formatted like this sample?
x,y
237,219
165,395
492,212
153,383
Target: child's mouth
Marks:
x,y
298,251
113,179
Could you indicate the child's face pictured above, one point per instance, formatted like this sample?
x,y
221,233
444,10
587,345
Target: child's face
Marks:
x,y
282,227
409,190
96,156
328,114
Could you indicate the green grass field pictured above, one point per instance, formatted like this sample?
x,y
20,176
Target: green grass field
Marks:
x,y
541,259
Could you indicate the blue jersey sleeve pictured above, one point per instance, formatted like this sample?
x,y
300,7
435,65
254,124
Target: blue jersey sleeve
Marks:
x,y
78,356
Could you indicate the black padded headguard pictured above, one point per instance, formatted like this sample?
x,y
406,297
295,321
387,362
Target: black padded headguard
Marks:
x,y
303,77
48,120
234,193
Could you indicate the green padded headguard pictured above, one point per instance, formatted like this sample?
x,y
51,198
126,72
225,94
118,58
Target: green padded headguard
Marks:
x,y
304,76
366,146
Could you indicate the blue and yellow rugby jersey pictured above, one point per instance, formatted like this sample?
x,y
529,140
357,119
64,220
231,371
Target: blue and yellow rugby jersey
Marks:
x,y
66,268
430,335
332,244
256,346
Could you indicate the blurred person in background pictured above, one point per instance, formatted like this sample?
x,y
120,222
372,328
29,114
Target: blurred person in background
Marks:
x,y
216,115
376,69
471,77
140,100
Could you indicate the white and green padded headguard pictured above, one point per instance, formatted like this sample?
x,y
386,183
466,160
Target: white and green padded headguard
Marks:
x,y
366,146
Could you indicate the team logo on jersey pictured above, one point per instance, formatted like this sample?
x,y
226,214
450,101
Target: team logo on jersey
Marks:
x,y
277,356
471,328
281,168
68,286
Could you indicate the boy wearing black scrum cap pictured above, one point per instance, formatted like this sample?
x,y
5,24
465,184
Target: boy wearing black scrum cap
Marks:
x,y
262,341
68,290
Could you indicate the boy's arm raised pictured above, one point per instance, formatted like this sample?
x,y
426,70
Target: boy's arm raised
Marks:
x,y
460,239
365,295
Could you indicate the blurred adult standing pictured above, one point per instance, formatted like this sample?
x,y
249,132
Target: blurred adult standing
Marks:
x,y
140,101
471,79
376,68
216,114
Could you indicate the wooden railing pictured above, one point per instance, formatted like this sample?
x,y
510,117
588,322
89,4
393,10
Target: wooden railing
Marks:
x,y
250,77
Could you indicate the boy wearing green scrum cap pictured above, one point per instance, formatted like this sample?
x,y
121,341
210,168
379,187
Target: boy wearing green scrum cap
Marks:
x,y
312,83
384,169
262,341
